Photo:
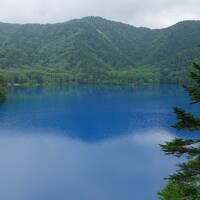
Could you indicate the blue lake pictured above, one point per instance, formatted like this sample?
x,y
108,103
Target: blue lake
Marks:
x,y
87,142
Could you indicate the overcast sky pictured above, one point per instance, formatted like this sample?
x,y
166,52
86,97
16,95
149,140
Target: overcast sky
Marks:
x,y
149,13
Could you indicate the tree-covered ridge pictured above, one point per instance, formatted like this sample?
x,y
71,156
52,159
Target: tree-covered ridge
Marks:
x,y
92,45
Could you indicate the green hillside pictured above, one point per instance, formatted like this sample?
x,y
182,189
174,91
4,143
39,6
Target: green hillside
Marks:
x,y
96,50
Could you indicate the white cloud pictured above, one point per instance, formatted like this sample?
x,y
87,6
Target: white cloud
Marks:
x,y
153,137
151,13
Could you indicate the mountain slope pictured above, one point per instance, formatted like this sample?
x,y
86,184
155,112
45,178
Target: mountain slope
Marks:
x,y
96,43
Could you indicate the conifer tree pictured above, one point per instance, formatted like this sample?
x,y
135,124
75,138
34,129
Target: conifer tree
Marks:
x,y
184,184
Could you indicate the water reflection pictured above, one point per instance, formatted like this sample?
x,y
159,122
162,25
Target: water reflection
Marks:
x,y
91,113
54,167
86,142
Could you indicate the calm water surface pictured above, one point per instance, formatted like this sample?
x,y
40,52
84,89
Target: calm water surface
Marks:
x,y
87,142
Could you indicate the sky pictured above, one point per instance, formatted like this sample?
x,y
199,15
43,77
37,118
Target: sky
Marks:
x,y
146,13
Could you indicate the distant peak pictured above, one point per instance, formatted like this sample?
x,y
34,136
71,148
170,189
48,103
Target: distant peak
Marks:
x,y
187,22
94,18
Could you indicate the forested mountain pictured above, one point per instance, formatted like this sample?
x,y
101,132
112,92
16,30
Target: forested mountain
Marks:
x,y
94,48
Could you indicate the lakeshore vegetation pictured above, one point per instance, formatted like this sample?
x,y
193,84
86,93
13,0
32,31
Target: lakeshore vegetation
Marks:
x,y
2,89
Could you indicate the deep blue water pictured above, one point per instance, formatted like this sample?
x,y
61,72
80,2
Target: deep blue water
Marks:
x,y
87,142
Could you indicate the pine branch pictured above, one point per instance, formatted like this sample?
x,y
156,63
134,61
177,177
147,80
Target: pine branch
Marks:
x,y
186,120
179,147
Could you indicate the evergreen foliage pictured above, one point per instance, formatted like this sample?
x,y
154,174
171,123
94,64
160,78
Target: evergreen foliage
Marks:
x,y
186,181
174,191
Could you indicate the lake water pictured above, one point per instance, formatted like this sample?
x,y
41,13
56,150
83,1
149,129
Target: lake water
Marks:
x,y
87,142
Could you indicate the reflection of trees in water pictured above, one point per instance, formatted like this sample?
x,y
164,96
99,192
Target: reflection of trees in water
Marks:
x,y
91,113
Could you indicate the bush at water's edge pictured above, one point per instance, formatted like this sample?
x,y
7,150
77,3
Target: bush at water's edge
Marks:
x,y
2,95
